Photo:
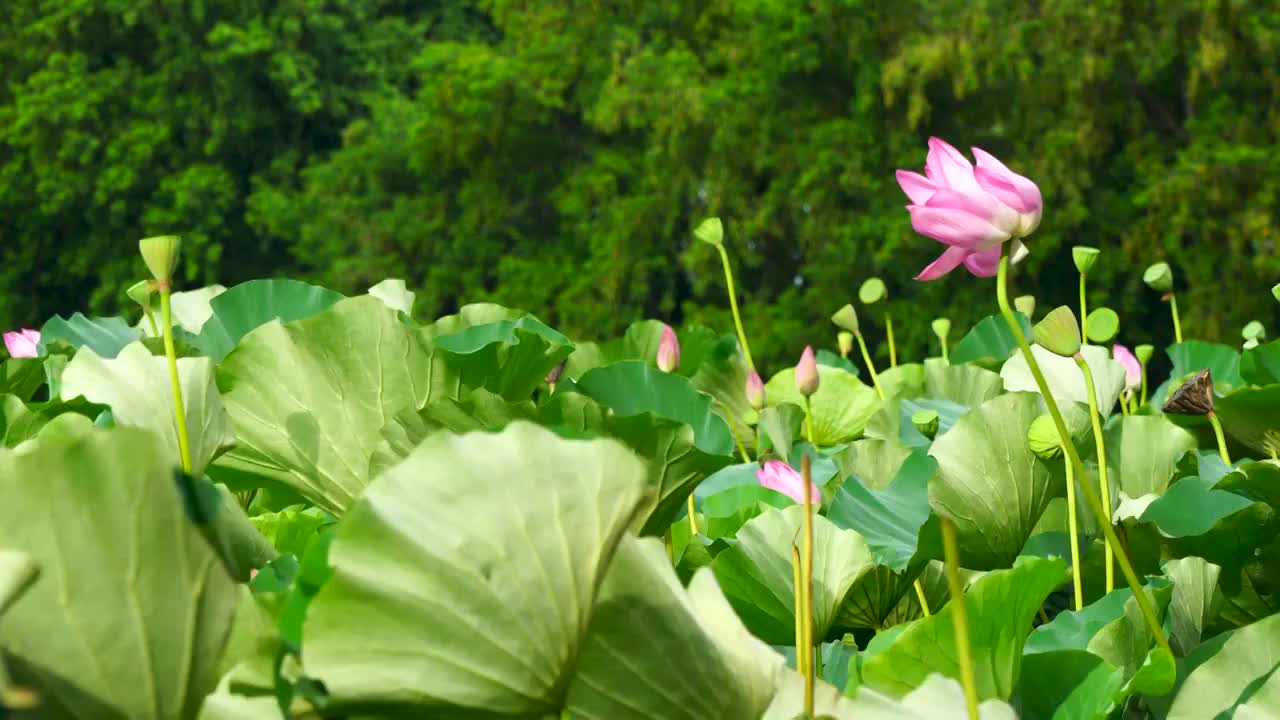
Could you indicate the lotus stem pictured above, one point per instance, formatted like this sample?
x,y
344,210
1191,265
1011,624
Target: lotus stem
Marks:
x,y
888,331
733,305
924,604
1095,502
1084,313
733,430
151,318
1124,404
944,351
1074,529
1144,385
871,367
179,412
1177,323
801,667
808,424
693,517
806,582
1222,439
1095,418
959,615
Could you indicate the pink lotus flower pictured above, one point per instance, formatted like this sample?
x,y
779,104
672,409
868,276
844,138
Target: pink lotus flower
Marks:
x,y
23,344
668,350
807,372
777,475
755,390
1132,368
971,210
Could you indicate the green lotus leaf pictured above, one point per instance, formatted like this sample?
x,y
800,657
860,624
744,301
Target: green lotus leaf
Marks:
x,y
1261,365
395,294
1196,601
106,336
1066,379
1249,415
1225,671
1143,453
508,357
989,343
889,520
247,306
841,408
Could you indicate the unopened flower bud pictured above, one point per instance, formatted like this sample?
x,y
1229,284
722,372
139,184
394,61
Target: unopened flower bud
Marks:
x,y
807,373
755,390
846,318
161,255
941,327
668,350
844,341
1025,304
1159,277
710,231
926,421
872,291
1058,332
1043,438
141,292
1085,258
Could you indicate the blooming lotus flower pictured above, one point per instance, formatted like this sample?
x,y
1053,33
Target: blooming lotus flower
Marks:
x,y
755,390
1132,368
23,344
972,210
807,372
777,475
668,350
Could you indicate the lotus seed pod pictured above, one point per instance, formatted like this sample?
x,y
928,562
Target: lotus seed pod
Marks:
x,y
1085,258
807,373
1103,325
1058,332
942,327
926,421
1043,438
710,231
1254,331
872,291
844,341
1194,397
1159,277
141,292
1025,304
1144,353
161,255
846,318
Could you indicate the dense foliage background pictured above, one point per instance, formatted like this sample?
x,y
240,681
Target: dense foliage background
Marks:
x,y
556,156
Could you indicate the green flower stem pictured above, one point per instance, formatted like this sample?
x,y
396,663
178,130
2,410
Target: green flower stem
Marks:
x,y
1074,529
733,305
151,318
179,413
888,330
693,518
806,581
1144,386
944,350
1095,417
808,422
801,665
924,603
733,430
1095,502
960,616
1084,313
1177,323
1222,439
866,358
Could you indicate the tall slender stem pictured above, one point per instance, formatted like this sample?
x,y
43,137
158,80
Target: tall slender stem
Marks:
x,y
924,603
179,412
733,305
1144,385
1124,403
808,424
1222,439
1177,323
871,367
944,350
1091,495
888,330
1100,445
959,616
151,318
1084,313
693,518
733,430
806,476
1074,529
796,575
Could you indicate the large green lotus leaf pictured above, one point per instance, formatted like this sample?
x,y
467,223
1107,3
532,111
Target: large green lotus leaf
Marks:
x,y
623,674
250,305
191,309
632,388
876,600
904,381
966,385
722,374
1000,607
1261,365
1263,703
135,384
873,461
1068,684
1222,672
20,422
990,342
17,572
106,336
1243,602
725,512
463,578
216,513
830,359
1066,379
937,698
290,530
1254,480
133,607
509,357
308,399
1143,452
476,409
779,427
640,342
675,465
1251,415
1223,362
755,573
1192,507
395,294
842,406
1196,601
990,482
225,704
889,520
22,377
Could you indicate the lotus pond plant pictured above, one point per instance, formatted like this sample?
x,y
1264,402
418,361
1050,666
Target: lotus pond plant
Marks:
x,y
285,502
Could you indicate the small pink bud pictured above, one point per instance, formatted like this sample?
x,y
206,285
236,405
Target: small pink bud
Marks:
x,y
755,390
253,573
668,350
23,344
779,476
1132,368
807,373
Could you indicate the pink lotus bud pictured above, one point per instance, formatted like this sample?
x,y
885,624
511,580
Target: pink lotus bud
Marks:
x,y
971,210
755,390
23,344
553,375
807,373
779,476
668,350
253,573
1132,368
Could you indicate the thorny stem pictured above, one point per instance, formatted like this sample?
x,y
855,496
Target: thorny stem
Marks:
x,y
733,305
959,615
1095,502
1095,418
866,358
1222,439
888,330
179,413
